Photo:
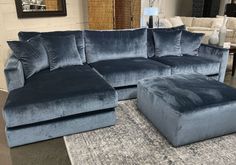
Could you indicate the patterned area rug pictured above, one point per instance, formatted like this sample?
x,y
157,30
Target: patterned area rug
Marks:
x,y
133,140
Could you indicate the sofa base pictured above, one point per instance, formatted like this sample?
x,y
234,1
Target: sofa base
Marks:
x,y
126,93
56,128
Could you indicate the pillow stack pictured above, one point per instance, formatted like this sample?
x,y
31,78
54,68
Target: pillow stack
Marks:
x,y
42,52
176,42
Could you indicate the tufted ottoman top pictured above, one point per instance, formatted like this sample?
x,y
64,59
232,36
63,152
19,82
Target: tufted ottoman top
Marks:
x,y
187,93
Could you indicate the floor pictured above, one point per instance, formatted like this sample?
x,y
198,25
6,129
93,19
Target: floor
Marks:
x,y
51,151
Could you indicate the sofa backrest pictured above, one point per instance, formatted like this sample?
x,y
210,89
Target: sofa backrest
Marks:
x,y
231,23
79,36
150,39
187,21
202,22
115,44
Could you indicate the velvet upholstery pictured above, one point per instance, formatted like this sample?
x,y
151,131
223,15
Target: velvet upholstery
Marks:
x,y
76,98
79,37
167,43
62,51
110,45
32,55
216,53
190,42
188,64
127,72
150,39
59,93
215,77
60,127
188,108
126,93
14,73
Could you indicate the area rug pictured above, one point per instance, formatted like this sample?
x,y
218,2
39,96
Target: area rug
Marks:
x,y
134,140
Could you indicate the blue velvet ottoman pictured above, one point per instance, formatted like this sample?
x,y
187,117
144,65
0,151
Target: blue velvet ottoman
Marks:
x,y
188,108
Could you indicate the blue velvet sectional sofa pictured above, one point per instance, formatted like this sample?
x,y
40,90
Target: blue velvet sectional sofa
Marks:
x,y
80,98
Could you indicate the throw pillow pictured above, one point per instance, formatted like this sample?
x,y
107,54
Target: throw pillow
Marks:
x,y
187,21
190,42
167,43
150,39
62,51
176,21
164,23
32,55
79,37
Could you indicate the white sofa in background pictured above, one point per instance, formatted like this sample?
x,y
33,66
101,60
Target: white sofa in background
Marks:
x,y
203,25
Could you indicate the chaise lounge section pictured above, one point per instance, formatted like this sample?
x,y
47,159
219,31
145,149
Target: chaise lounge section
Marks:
x,y
48,99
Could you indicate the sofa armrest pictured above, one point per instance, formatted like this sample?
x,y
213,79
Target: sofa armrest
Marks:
x,y
14,73
216,53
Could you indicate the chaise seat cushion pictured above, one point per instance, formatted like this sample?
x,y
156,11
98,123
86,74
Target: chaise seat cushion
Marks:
x,y
190,64
63,92
127,72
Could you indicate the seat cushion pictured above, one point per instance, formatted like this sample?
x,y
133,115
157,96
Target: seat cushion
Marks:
x,y
127,72
190,64
59,93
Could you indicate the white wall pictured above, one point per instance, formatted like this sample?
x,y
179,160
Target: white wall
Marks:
x,y
10,25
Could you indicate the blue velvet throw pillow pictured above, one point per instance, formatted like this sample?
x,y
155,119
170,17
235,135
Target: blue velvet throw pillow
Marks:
x,y
150,39
32,55
167,43
79,37
190,42
62,51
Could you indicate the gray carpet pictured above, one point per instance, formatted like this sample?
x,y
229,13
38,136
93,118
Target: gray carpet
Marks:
x,y
133,140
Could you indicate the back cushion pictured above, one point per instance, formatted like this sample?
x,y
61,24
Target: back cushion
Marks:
x,y
187,21
202,22
176,21
150,39
231,23
79,37
108,45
